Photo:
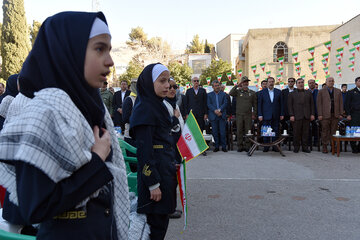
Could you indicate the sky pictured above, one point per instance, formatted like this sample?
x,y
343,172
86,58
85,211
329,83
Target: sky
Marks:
x,y
177,21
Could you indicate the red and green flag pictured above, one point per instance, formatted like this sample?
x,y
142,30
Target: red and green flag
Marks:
x,y
352,51
253,68
187,84
281,71
324,62
297,65
235,81
303,77
208,80
357,45
346,38
268,74
311,67
298,71
229,75
326,70
328,45
281,60
240,72
191,142
181,177
314,74
338,57
262,65
257,76
278,77
340,51
205,86
306,86
219,77
338,65
256,84
326,56
352,60
282,85
223,83
311,51
295,56
311,61
339,73
317,80
351,66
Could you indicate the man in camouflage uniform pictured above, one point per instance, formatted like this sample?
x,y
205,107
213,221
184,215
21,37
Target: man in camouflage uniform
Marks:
x,y
246,109
107,97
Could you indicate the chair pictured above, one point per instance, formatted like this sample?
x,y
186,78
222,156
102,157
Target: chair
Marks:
x,y
131,176
14,236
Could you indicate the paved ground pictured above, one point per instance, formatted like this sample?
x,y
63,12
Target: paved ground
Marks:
x,y
266,196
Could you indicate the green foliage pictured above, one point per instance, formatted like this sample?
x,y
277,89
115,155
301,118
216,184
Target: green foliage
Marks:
x,y
217,68
180,72
34,29
137,36
208,47
196,46
133,70
157,44
15,44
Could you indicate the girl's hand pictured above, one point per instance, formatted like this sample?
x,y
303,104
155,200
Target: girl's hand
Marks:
x,y
102,144
155,194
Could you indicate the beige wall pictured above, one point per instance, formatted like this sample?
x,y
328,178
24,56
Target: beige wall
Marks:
x,y
351,27
259,45
228,48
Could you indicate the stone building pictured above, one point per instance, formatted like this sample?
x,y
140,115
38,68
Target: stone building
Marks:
x,y
229,48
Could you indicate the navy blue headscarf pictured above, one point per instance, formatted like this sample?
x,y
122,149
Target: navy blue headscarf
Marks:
x,y
57,60
149,109
11,87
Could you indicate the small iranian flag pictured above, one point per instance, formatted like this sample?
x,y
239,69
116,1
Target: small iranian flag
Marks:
x,y
338,65
311,67
191,142
282,85
328,45
340,51
281,71
298,71
295,56
240,72
352,60
311,61
253,68
326,70
351,66
262,65
219,77
256,83
208,80
338,57
357,45
205,86
311,51
303,77
223,83
339,73
352,51
324,62
346,38
187,85
326,56
317,80
235,81
257,76
314,74
229,75
297,65
281,60
268,73
307,86
181,177
278,77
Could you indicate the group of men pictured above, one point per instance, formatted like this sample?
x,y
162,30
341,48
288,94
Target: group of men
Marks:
x,y
295,107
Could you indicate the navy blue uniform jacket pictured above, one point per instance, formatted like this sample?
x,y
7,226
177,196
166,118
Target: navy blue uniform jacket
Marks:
x,y
267,109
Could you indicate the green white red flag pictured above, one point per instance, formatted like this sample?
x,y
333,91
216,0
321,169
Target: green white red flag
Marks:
x,y
311,51
229,75
338,57
281,60
352,51
314,74
326,56
352,60
256,84
306,86
357,45
282,85
253,68
303,77
317,80
219,77
297,65
240,72
326,70
311,61
268,74
223,83
208,80
339,73
278,77
191,142
181,177
340,51
281,71
311,67
262,65
328,45
298,71
257,76
346,38
324,62
235,81
338,65
295,56
351,66
187,84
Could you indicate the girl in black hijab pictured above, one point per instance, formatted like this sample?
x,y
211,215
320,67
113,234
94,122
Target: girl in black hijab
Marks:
x,y
151,125
5,99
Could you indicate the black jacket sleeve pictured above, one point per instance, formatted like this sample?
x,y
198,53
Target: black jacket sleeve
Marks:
x,y
127,109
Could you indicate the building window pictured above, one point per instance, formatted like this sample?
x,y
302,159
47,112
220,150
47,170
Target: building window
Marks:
x,y
280,50
198,66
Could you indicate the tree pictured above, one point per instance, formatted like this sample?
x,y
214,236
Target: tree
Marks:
x,y
217,68
137,36
208,47
133,70
34,29
196,46
180,72
15,44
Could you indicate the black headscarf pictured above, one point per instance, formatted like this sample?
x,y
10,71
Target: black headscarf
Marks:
x,y
57,60
11,87
149,109
172,101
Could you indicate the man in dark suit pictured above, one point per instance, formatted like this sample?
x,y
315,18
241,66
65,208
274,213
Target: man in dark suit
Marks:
x,y
217,103
270,109
117,102
285,94
352,110
301,111
314,127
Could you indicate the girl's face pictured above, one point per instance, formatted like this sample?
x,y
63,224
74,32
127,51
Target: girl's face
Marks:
x,y
172,89
161,85
98,60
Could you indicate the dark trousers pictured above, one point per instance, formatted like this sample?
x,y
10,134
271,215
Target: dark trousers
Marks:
x,y
355,121
274,123
200,120
243,125
218,128
313,132
328,128
158,225
301,132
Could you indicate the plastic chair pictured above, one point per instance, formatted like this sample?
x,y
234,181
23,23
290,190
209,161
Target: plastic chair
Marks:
x,y
131,176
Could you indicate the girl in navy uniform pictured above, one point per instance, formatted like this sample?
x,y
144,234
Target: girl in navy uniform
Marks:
x,y
60,160
151,125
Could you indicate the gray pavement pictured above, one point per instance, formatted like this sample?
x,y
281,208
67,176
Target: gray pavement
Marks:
x,y
266,196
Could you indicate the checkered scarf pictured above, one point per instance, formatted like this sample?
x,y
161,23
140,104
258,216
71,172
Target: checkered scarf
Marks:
x,y
52,135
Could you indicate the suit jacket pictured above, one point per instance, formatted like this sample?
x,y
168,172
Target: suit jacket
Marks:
x,y
267,109
117,103
211,102
285,95
315,94
324,103
196,102
301,104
